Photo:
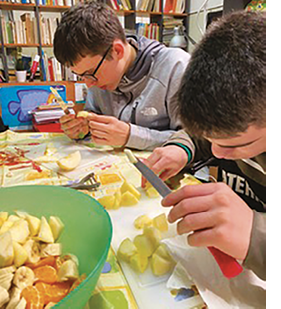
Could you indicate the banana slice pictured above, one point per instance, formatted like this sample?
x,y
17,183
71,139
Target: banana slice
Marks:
x,y
56,226
20,231
51,249
22,304
20,254
24,277
68,271
14,298
6,280
33,251
6,249
4,297
45,232
7,270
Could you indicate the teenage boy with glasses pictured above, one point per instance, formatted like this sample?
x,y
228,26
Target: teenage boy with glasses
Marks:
x,y
132,80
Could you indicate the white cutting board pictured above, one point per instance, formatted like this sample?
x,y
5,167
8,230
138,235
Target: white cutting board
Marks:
x,y
150,291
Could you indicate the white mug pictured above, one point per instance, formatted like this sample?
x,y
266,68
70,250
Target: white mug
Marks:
x,y
21,76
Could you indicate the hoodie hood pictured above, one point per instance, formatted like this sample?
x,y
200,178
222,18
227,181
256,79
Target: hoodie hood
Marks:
x,y
146,50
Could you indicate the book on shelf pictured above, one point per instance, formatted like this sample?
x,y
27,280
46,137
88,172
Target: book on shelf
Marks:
x,y
174,6
151,31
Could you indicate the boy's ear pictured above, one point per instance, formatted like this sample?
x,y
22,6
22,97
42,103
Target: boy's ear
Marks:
x,y
118,49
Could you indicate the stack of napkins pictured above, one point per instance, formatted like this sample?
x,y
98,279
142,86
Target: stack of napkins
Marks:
x,y
49,115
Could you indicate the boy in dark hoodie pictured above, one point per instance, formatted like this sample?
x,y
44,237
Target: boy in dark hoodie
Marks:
x,y
222,105
132,80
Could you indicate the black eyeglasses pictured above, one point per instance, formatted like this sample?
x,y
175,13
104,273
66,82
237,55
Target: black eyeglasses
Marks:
x,y
92,75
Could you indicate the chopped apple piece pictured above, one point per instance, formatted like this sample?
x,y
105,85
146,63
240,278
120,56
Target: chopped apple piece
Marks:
x,y
34,224
3,217
20,231
6,249
127,187
107,201
163,252
153,234
161,223
126,250
128,199
70,162
45,232
20,254
144,245
189,180
160,266
6,226
56,226
68,271
139,262
117,199
82,114
142,221
151,192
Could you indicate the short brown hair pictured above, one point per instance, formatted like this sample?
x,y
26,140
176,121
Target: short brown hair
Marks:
x,y
86,29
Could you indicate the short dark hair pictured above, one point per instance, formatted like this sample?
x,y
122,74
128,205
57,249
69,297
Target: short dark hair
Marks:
x,y
223,90
86,29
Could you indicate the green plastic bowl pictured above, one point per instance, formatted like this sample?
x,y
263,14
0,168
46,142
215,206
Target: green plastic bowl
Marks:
x,y
87,233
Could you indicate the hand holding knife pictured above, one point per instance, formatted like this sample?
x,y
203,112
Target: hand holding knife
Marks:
x,y
228,265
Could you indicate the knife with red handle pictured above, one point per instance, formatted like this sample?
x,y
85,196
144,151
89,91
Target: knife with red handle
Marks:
x,y
228,265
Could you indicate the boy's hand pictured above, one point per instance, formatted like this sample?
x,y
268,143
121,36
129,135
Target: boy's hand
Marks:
x,y
216,214
166,162
74,127
108,130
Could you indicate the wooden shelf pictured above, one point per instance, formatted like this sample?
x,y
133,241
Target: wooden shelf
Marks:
x,y
17,6
20,45
175,14
53,8
148,13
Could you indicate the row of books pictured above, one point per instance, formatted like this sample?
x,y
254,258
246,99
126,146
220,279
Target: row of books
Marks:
x,y
151,31
51,68
170,6
24,30
44,2
120,4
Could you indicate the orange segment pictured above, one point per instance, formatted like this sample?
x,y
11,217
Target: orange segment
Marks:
x,y
50,260
47,274
77,282
33,298
58,291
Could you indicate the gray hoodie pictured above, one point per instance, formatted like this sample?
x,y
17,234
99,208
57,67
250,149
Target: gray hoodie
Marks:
x,y
145,96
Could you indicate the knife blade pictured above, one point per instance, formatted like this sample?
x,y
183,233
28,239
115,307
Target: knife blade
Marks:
x,y
228,265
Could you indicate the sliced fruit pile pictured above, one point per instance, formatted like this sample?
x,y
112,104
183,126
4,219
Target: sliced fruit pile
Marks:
x,y
146,247
33,272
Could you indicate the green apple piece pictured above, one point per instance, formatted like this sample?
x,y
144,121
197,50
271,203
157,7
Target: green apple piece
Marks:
x,y
189,180
126,250
20,231
82,114
6,249
128,199
144,245
3,217
45,232
160,266
56,226
127,187
33,224
153,234
163,252
70,162
161,223
107,201
142,221
139,262
20,254
151,192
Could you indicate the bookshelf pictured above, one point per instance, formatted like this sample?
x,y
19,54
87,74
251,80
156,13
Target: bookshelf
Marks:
x,y
130,11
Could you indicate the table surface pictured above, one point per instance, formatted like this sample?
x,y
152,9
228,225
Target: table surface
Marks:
x,y
118,287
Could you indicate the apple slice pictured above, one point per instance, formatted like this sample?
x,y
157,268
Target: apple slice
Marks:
x,y
70,162
21,255
126,250
139,262
6,250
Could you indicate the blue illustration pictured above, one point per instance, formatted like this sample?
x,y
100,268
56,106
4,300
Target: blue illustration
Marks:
x,y
18,101
28,101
